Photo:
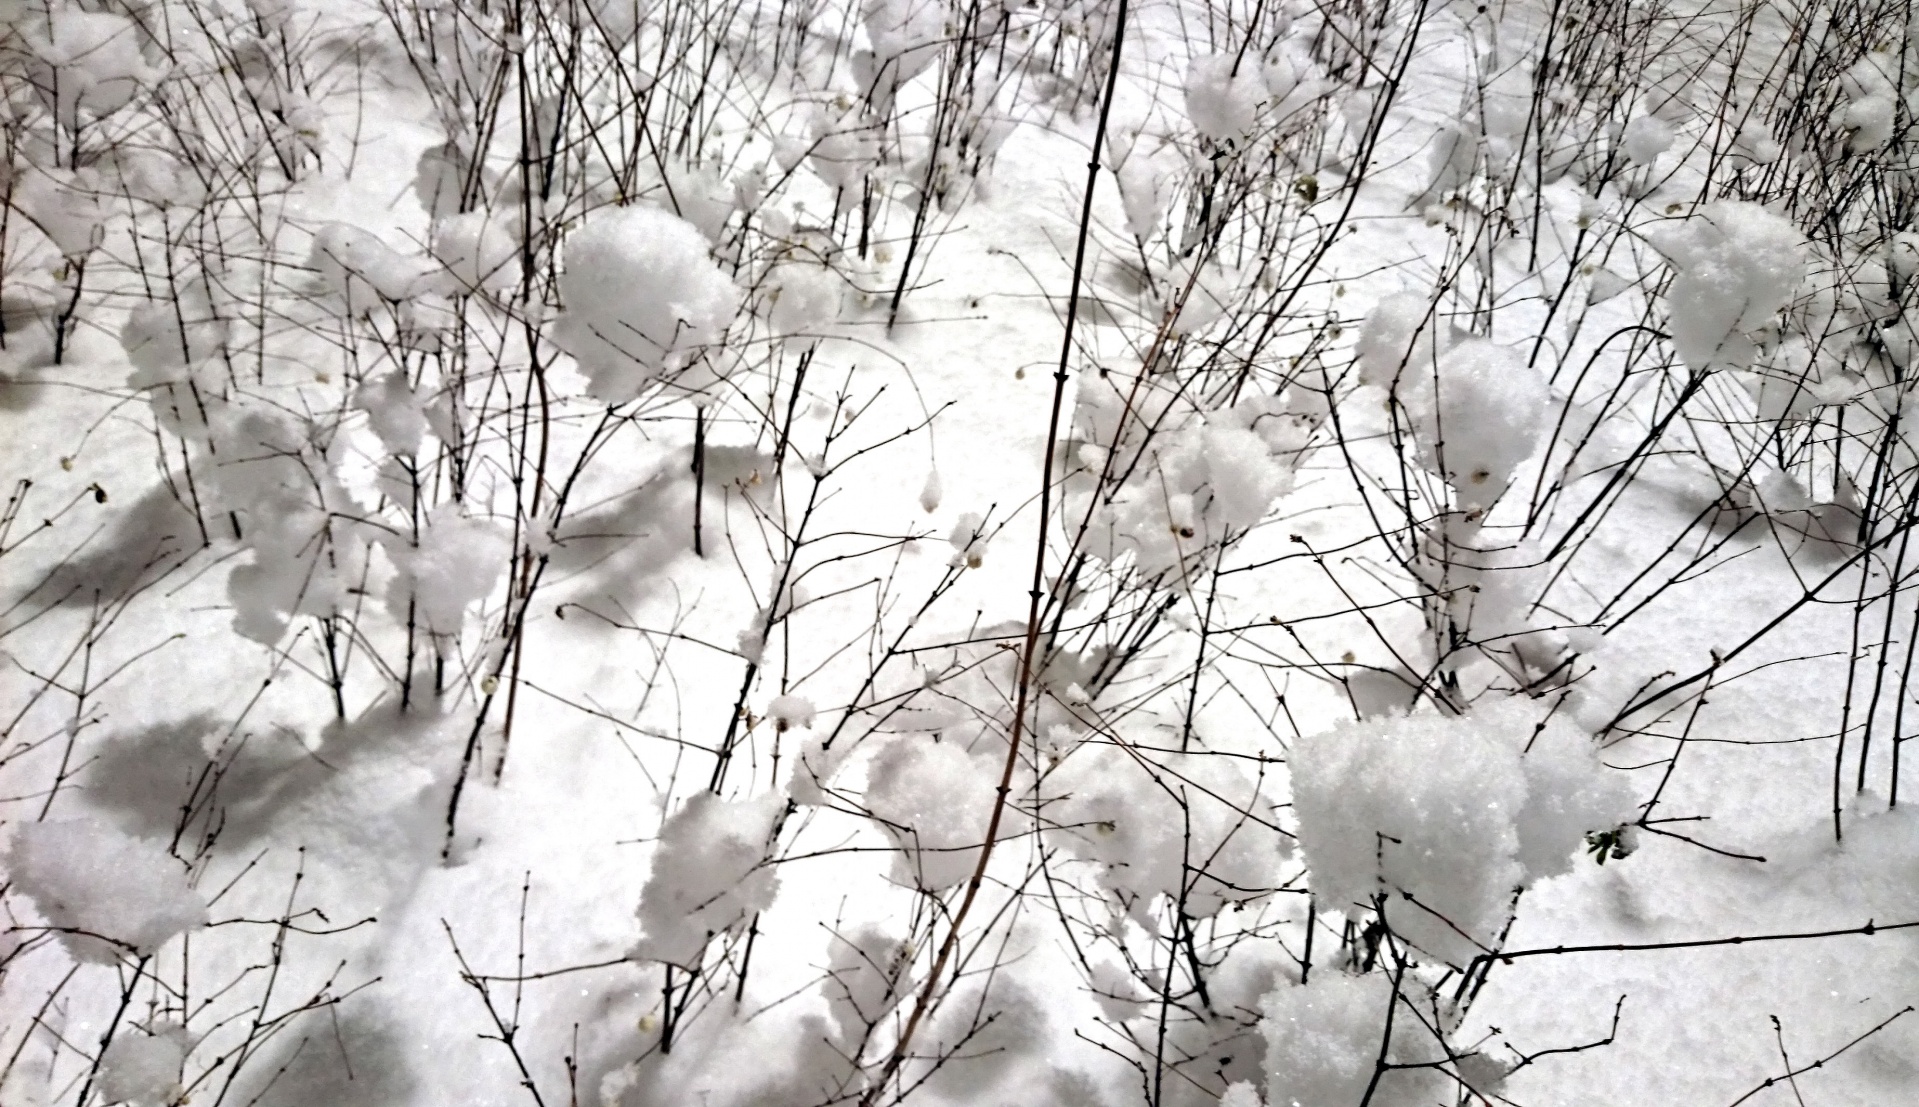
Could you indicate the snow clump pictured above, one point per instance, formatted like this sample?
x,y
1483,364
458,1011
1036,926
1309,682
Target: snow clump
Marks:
x,y
934,799
1738,265
642,295
790,711
357,268
107,892
455,563
1450,811
1223,94
87,64
144,1069
1323,1039
1478,413
1190,825
707,875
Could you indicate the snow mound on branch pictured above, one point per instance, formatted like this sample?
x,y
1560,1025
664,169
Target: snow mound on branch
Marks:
x,y
113,893
1738,265
1196,825
1386,339
1323,1043
707,875
1223,94
87,64
1478,416
642,296
1453,812
935,800
144,1069
454,565
358,269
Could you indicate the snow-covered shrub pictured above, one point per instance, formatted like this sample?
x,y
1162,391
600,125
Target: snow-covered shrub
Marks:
x,y
108,894
1223,95
1478,413
144,1069
87,64
454,563
1192,828
1324,1045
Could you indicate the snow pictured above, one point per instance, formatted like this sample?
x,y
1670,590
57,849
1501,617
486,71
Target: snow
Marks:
x,y
500,599
641,297
707,876
103,891
1738,265
144,1069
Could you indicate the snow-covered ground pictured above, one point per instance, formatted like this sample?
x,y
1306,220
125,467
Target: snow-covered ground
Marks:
x,y
531,568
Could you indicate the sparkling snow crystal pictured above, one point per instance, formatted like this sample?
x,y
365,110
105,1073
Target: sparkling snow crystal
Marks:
x,y
144,1069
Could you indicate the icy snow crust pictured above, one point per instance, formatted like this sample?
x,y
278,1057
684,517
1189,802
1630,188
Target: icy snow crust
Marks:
x,y
378,387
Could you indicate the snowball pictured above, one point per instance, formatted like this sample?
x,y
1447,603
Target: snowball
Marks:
x,y
806,299
1738,265
1458,811
930,492
121,892
297,518
1142,192
844,147
1605,285
708,875
1208,297
641,295
865,978
144,1069
69,207
1481,413
618,20
1569,793
905,35
788,712
1223,103
1293,78
1242,474
455,564
393,410
1755,143
1646,138
1322,1039
934,800
1195,825
164,335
